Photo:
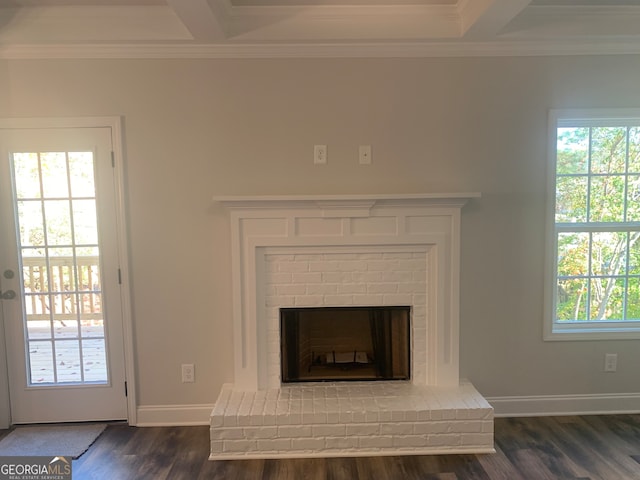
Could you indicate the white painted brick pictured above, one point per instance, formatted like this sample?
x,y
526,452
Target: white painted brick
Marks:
x,y
314,444
337,277
320,289
293,289
371,416
309,277
230,421
466,427
352,288
421,428
338,300
217,420
396,429
487,426
368,300
384,416
446,439
410,415
359,416
375,442
485,439
295,418
361,429
382,288
293,267
381,266
333,417
244,420
412,287
397,416
329,430
234,433
367,277
345,417
216,446
275,444
341,443
410,265
398,299
295,431
419,299
309,300
409,441
352,266
239,445
268,419
324,266
260,432
399,277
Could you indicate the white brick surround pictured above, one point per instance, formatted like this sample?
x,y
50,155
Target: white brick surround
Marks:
x,y
358,250
348,276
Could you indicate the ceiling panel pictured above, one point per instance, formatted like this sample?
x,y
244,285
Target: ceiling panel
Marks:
x,y
236,28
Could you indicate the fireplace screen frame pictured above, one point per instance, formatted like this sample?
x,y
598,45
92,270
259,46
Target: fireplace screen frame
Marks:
x,y
389,358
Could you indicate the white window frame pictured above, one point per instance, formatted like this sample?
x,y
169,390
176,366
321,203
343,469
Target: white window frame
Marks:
x,y
584,330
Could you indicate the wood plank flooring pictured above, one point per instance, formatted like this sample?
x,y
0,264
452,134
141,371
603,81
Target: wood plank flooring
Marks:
x,y
566,448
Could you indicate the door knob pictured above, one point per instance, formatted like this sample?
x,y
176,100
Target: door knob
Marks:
x,y
9,274
8,295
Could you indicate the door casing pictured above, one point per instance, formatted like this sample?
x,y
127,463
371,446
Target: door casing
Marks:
x,y
115,124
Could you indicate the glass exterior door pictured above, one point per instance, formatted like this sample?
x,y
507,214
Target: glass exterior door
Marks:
x,y
64,329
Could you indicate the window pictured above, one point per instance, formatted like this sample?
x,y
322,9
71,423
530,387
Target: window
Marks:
x,y
594,219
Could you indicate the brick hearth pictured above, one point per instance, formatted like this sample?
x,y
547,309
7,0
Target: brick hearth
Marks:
x,y
350,419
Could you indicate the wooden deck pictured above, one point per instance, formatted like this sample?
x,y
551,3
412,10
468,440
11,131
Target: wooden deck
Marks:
x,y
67,353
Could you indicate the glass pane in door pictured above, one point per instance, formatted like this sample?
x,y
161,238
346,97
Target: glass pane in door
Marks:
x,y
55,203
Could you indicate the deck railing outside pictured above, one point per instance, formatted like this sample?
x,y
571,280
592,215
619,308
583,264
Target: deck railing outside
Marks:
x,y
56,291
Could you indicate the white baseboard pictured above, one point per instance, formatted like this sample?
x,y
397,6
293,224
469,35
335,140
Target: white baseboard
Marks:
x,y
174,415
548,405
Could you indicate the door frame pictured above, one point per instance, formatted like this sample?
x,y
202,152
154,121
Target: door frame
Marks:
x,y
115,123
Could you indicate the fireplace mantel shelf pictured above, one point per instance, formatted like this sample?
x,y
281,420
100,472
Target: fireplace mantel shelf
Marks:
x,y
351,200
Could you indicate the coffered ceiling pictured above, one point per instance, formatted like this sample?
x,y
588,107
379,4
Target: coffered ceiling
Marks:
x,y
256,28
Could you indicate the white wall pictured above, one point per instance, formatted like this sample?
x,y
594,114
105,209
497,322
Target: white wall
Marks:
x,y
198,128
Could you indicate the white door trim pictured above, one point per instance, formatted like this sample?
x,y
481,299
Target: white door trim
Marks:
x,y
115,123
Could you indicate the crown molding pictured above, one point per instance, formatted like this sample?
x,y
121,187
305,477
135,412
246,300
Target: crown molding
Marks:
x,y
593,46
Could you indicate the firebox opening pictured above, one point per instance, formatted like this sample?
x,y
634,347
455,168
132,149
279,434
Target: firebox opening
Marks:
x,y
345,343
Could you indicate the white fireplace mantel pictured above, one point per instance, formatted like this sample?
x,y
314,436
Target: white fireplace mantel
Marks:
x,y
345,224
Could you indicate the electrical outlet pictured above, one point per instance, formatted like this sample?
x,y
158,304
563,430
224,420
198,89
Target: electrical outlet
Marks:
x,y
610,362
188,373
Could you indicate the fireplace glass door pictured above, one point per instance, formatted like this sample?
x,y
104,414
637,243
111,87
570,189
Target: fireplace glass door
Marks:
x,y
345,343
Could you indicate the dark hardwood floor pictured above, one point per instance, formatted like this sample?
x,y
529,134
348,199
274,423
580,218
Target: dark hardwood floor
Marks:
x,y
576,448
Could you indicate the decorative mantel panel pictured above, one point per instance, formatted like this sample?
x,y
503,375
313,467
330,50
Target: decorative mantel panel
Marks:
x,y
264,225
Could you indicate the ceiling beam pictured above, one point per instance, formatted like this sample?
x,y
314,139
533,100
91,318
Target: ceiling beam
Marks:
x,y
486,18
205,20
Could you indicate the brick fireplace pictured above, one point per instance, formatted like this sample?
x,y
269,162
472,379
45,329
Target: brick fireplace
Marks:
x,y
358,251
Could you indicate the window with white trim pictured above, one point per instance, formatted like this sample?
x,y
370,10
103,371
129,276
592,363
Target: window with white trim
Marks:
x,y
594,217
